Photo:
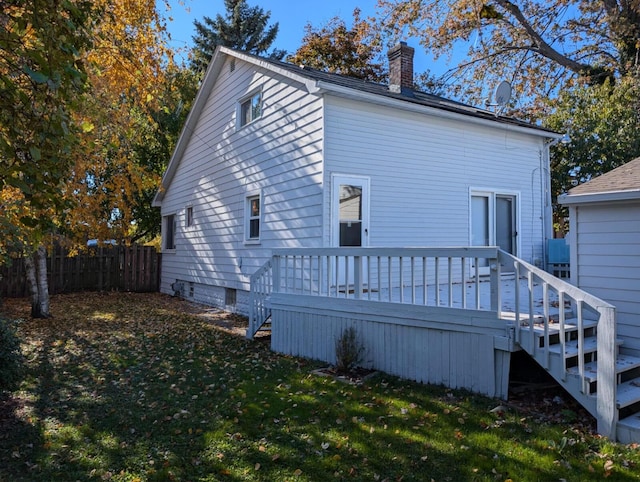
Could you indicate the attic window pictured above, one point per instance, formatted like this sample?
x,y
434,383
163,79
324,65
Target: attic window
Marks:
x,y
232,65
250,109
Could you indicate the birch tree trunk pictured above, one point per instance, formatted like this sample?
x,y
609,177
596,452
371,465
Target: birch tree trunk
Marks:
x,y
36,267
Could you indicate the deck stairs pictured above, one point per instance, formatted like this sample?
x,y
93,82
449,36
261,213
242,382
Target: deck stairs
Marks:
x,y
558,353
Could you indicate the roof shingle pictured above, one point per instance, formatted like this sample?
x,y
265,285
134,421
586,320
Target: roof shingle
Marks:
x,y
623,178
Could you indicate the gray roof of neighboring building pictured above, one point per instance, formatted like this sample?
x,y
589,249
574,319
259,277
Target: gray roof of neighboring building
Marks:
x,y
623,178
620,184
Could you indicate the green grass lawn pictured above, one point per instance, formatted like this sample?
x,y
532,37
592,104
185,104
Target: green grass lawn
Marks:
x,y
131,387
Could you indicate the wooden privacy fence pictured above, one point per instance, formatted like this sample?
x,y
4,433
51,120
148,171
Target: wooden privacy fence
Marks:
x,y
133,268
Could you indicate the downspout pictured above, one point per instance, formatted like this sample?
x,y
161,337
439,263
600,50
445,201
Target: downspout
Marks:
x,y
545,201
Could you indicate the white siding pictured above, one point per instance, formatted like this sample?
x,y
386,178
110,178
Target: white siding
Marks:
x,y
607,261
422,169
278,155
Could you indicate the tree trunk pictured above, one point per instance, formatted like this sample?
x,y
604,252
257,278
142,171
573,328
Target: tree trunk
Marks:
x,y
36,266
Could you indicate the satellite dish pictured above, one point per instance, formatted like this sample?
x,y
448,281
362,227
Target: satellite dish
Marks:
x,y
502,94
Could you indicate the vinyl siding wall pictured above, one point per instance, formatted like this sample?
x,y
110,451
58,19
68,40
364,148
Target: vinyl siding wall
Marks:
x,y
422,170
607,261
278,156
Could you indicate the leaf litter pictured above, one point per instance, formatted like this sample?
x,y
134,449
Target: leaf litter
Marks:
x,y
128,386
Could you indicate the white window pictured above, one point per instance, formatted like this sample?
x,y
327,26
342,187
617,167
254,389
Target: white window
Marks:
x,y
250,109
170,231
189,217
252,217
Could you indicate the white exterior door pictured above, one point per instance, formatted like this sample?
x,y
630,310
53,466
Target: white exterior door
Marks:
x,y
350,222
494,222
350,211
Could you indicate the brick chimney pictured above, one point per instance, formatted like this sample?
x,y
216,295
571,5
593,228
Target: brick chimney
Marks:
x,y
401,68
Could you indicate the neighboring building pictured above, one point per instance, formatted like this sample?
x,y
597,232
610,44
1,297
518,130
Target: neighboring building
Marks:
x,y
275,155
604,236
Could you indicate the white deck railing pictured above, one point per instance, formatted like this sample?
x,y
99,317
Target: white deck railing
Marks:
x,y
459,277
420,276
565,307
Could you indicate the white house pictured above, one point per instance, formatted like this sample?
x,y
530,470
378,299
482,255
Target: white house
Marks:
x,y
275,155
320,202
604,237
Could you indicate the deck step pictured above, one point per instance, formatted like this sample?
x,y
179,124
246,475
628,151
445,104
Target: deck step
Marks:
x,y
623,363
570,325
628,393
628,429
571,347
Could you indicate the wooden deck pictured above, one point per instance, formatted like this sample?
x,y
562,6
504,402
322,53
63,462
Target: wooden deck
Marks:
x,y
450,316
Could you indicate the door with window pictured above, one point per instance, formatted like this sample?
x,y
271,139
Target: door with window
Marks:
x,y
493,223
350,217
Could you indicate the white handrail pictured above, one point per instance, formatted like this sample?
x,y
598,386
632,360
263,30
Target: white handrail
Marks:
x,y
581,301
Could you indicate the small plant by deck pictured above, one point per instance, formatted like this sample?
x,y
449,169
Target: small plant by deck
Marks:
x,y
144,387
349,350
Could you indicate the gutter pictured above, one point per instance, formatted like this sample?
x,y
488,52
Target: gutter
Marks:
x,y
599,197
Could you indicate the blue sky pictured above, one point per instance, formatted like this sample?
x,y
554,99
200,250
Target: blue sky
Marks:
x,y
292,17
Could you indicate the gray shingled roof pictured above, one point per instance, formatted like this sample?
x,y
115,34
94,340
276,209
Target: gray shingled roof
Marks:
x,y
412,96
623,178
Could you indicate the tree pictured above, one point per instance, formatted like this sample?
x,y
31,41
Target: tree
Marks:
x,y
42,76
354,52
603,122
127,68
243,28
155,146
80,82
539,46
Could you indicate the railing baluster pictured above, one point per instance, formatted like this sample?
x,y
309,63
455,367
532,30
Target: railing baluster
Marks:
x,y
379,280
368,258
531,324
463,282
337,275
401,282
413,281
450,265
545,304
389,286
437,259
517,302
563,341
581,346
477,280
424,280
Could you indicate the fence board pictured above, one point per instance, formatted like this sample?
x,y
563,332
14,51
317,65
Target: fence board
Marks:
x,y
132,268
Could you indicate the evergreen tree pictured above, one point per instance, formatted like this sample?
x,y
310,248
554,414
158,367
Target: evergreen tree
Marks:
x,y
243,28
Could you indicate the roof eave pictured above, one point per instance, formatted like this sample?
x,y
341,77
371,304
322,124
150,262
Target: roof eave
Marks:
x,y
435,111
598,197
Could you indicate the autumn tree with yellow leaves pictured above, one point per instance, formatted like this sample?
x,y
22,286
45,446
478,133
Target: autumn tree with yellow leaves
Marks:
x,y
80,83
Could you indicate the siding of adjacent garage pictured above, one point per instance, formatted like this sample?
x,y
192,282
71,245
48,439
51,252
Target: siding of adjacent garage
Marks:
x,y
607,261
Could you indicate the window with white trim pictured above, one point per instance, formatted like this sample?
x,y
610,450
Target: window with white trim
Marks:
x,y
170,231
253,215
189,217
250,109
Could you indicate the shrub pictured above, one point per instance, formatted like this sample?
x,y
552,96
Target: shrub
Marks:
x,y
349,350
11,359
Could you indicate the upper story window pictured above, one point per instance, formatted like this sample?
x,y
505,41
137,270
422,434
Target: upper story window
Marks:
x,y
250,109
170,231
253,211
